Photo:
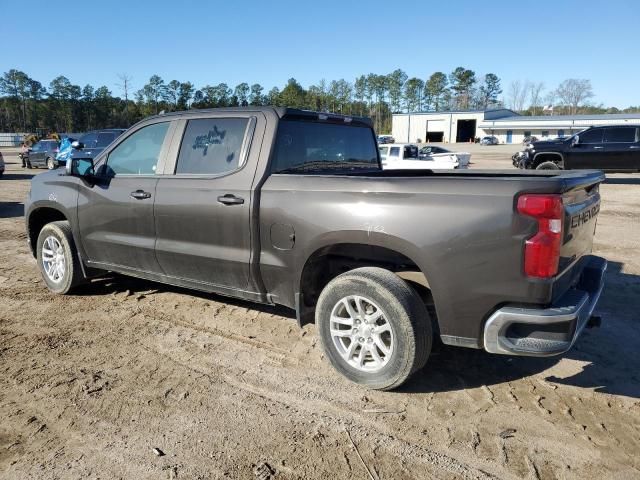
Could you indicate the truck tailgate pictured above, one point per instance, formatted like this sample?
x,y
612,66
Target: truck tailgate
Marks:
x,y
581,206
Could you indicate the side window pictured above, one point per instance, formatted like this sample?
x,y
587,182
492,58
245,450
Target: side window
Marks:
x,y
383,151
620,135
212,145
105,138
592,136
411,152
36,147
88,140
394,152
138,154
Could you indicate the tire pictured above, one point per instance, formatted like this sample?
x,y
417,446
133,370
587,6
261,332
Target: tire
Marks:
x,y
51,165
403,322
56,237
549,165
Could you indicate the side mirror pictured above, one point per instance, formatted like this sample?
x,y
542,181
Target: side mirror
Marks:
x,y
80,167
575,140
77,145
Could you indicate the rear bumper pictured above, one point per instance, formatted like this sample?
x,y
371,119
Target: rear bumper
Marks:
x,y
547,331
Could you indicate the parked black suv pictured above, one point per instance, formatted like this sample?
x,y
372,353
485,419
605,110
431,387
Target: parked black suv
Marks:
x,y
612,148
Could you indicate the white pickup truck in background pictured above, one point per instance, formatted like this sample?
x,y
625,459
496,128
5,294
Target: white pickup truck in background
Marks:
x,y
403,156
435,152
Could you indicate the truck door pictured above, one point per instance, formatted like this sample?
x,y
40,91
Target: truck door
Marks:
x,y
203,207
116,214
588,152
618,143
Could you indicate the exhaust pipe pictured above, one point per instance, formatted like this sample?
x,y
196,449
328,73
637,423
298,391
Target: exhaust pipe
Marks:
x,y
594,321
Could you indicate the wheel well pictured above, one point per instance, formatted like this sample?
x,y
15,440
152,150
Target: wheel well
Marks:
x,y
327,263
38,219
547,157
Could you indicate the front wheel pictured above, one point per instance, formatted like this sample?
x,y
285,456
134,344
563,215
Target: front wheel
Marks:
x,y
374,328
57,258
50,163
548,166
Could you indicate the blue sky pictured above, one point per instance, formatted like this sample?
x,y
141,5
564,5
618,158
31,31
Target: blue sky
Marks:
x,y
269,42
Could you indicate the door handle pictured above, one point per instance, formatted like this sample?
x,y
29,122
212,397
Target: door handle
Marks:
x,y
634,146
598,148
230,199
140,195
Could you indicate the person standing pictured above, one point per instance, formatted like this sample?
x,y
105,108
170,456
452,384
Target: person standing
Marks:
x,y
24,155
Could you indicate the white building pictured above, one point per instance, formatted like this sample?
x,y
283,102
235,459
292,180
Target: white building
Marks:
x,y
506,125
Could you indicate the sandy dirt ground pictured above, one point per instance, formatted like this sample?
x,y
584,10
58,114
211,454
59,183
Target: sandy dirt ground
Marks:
x,y
92,383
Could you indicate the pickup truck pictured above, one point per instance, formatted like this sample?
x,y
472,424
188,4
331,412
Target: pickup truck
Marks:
x,y
611,148
406,156
290,207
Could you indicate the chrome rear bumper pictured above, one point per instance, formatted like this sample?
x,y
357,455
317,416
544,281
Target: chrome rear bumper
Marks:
x,y
547,331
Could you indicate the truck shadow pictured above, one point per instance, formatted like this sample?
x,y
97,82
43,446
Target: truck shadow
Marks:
x,y
11,209
113,284
606,357
16,176
623,181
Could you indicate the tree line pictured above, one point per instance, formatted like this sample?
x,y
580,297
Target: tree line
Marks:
x,y
27,105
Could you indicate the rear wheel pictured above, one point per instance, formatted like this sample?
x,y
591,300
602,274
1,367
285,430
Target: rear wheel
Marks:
x,y
374,328
549,165
57,258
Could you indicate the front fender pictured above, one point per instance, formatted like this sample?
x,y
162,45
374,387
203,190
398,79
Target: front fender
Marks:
x,y
59,193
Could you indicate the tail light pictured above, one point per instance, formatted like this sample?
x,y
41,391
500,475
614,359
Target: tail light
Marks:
x,y
542,251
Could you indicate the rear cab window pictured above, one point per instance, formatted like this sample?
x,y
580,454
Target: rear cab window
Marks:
x,y
307,146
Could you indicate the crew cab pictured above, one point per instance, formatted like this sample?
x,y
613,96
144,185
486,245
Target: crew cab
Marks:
x,y
611,148
290,207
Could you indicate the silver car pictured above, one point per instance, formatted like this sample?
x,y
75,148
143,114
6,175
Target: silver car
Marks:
x,y
489,140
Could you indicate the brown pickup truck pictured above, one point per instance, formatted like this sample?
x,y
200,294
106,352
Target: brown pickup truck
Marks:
x,y
291,207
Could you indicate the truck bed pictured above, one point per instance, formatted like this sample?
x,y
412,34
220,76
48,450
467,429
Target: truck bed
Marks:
x,y
460,228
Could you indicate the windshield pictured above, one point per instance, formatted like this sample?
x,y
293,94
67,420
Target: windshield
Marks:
x,y
313,146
